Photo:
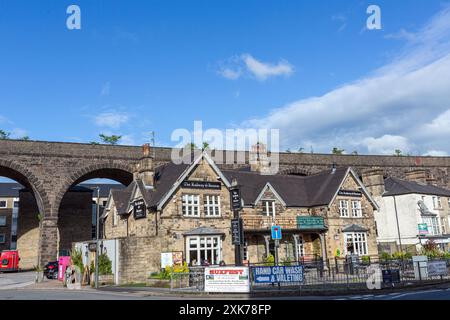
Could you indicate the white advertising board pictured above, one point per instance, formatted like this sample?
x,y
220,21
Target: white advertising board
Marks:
x,y
437,268
227,279
166,259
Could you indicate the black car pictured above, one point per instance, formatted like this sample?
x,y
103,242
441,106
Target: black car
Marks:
x,y
51,270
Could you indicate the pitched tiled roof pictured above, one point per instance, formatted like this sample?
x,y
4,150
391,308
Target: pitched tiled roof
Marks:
x,y
395,186
121,198
105,188
296,191
10,189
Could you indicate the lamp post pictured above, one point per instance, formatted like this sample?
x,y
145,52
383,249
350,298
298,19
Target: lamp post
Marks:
x,y
97,234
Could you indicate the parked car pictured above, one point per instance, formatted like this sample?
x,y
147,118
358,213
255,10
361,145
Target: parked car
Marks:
x,y
51,270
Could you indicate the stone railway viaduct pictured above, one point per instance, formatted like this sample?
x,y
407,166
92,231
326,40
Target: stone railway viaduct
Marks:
x,y
49,169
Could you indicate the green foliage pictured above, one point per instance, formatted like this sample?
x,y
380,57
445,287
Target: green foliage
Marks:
x,y
431,250
169,272
113,139
337,151
286,262
269,260
104,265
205,146
398,152
77,259
4,135
365,259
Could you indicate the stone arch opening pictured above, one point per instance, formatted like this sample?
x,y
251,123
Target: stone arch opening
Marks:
x,y
296,172
26,205
77,203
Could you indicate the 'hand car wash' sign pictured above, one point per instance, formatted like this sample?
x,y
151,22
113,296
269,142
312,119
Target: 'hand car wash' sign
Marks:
x,y
277,274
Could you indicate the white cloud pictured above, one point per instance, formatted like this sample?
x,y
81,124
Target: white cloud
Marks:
x,y
106,88
436,153
111,119
127,140
262,70
396,106
247,65
387,144
18,133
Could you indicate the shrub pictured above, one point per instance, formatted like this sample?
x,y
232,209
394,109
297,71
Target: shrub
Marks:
x,y
104,265
385,256
269,260
77,259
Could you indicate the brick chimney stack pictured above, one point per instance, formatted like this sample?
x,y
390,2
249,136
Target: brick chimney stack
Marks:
x,y
145,168
373,180
259,159
417,175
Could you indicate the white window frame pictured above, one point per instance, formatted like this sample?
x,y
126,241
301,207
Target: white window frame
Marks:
x,y
301,247
6,203
437,204
208,248
190,204
359,240
433,223
211,205
2,218
356,210
344,210
269,210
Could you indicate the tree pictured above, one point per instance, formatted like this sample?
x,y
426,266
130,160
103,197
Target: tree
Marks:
x,y
4,135
288,150
205,145
191,146
397,152
300,150
26,138
113,139
337,151
355,153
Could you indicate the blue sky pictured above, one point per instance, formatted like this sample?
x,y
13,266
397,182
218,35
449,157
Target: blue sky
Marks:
x,y
308,68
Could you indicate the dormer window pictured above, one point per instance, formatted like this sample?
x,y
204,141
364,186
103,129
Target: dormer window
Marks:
x,y
268,207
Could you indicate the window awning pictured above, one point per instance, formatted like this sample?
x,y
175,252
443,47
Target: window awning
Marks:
x,y
354,228
203,231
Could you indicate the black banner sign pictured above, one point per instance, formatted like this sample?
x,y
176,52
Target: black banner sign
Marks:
x,y
201,185
350,193
139,209
237,231
235,195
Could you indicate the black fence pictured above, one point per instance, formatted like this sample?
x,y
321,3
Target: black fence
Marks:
x,y
348,273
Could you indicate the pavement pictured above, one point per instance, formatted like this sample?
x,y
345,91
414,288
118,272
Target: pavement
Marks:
x,y
21,286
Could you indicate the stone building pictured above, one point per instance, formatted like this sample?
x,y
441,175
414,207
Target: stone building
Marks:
x,y
186,209
412,211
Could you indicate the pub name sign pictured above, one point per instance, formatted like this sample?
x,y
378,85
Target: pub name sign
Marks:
x,y
201,185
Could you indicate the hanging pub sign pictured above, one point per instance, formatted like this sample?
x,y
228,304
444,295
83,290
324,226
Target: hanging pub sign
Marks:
x,y
139,209
237,234
201,185
235,195
350,193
